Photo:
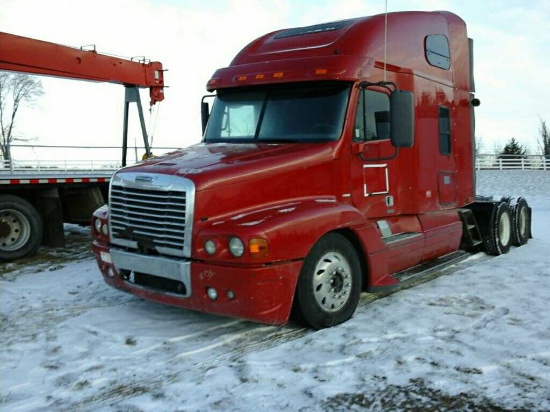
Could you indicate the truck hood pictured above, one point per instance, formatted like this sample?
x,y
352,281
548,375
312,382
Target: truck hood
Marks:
x,y
212,165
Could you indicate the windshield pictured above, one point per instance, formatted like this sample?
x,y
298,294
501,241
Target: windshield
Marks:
x,y
312,112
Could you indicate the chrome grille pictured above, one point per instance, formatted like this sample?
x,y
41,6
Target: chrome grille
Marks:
x,y
152,212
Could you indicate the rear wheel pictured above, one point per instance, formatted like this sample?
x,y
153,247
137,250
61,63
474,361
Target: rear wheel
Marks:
x,y
521,220
20,228
499,239
329,286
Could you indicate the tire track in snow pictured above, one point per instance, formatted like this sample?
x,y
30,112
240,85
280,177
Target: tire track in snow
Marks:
x,y
228,343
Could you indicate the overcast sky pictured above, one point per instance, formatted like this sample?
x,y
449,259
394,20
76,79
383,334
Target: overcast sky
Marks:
x,y
191,38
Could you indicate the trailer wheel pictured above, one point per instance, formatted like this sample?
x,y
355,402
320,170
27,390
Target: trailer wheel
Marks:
x,y
521,220
20,228
329,285
499,239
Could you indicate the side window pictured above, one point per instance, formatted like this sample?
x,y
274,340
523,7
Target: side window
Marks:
x,y
372,121
444,131
239,121
234,115
438,53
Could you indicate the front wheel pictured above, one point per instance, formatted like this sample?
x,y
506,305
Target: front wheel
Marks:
x,y
329,286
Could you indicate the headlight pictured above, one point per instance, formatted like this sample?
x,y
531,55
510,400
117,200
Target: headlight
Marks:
x,y
105,229
210,247
236,246
97,225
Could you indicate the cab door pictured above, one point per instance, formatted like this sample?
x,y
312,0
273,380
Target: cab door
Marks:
x,y
373,157
376,182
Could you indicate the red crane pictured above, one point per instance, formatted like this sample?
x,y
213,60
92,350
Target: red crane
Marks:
x,y
26,55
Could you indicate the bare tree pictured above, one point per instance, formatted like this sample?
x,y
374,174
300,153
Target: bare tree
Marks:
x,y
480,146
15,90
544,139
497,148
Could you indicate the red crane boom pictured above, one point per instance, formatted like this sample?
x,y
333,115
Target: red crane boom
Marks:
x,y
23,54
26,55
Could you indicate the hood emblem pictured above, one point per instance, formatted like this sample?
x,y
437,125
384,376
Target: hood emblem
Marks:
x,y
143,178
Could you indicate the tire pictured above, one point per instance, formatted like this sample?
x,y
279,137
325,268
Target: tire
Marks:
x,y
20,228
499,239
521,220
329,285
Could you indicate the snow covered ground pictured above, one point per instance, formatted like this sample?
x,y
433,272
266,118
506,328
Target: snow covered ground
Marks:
x,y
475,339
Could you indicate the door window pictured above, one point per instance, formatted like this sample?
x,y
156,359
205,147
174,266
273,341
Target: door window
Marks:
x,y
372,121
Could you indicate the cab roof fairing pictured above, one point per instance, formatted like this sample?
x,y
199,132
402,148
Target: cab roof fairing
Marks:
x,y
348,51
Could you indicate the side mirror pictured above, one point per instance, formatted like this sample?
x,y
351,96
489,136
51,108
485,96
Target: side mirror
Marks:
x,y
205,114
402,118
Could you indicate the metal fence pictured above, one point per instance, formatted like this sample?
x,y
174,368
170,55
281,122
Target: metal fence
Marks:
x,y
40,166
29,159
512,162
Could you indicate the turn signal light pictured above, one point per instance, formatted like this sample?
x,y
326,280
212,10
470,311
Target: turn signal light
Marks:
x,y
258,247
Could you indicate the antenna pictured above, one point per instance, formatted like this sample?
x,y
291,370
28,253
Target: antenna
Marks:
x,y
385,38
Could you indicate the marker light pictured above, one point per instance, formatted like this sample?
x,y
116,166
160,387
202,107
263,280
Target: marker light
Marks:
x,y
105,257
236,246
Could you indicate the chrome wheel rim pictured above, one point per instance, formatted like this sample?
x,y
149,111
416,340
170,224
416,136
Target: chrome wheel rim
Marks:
x,y
522,221
332,282
504,229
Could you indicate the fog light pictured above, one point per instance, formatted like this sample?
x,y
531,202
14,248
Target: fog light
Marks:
x,y
210,247
230,294
212,293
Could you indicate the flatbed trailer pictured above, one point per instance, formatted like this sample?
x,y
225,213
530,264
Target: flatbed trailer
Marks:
x,y
36,199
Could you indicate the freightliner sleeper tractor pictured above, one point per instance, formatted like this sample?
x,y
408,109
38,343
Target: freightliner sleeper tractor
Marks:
x,y
336,159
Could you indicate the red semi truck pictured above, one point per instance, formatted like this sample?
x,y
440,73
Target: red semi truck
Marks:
x,y
336,159
34,201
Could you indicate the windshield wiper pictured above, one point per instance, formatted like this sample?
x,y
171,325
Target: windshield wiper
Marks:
x,y
278,141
